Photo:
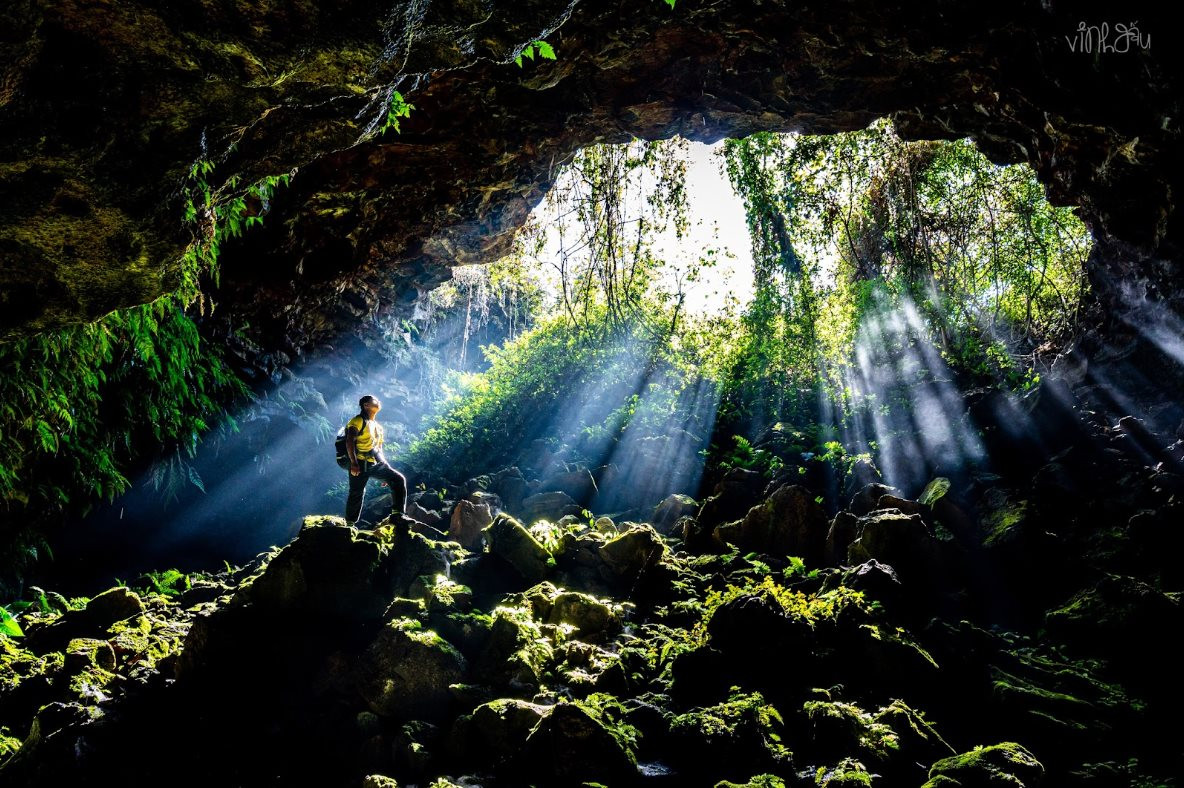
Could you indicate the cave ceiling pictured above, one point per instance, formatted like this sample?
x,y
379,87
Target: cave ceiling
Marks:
x,y
106,106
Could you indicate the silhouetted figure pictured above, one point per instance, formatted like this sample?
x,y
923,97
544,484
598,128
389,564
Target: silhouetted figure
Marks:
x,y
363,444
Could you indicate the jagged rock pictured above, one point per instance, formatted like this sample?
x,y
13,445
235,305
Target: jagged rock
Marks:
x,y
578,485
751,625
336,570
428,499
868,496
987,767
99,614
468,521
510,486
511,542
789,522
842,532
548,506
570,744
743,732
901,541
406,671
83,653
590,616
667,513
878,581
627,555
902,505
494,732
429,516
476,484
483,498
735,494
516,653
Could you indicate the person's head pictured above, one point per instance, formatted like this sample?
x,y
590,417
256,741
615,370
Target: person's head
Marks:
x,y
370,405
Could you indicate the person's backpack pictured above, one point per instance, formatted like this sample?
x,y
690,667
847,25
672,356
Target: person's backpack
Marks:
x,y
339,448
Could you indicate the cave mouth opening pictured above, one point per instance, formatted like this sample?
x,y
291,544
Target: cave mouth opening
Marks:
x,y
868,261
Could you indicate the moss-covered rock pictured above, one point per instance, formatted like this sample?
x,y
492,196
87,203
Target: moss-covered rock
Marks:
x,y
406,671
788,522
627,555
495,732
1008,764
672,508
517,652
742,733
512,543
571,743
93,620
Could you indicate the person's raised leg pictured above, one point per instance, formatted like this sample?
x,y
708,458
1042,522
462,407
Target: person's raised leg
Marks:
x,y
398,485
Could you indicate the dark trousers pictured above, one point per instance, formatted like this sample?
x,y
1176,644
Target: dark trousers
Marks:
x,y
357,488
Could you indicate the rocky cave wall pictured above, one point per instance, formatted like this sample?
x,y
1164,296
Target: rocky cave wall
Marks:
x,y
104,108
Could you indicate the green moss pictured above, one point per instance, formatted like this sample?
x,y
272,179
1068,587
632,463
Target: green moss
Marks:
x,y
743,723
609,712
8,745
848,773
1000,764
839,720
1000,522
759,781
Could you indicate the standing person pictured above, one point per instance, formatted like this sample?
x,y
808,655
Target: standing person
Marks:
x,y
363,444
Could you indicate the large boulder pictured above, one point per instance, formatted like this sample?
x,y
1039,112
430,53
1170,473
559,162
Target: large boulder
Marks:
x,y
93,620
494,732
578,484
406,671
468,521
1008,764
842,532
789,522
901,541
516,654
510,485
735,494
512,543
549,506
332,569
624,557
589,615
867,497
571,745
673,507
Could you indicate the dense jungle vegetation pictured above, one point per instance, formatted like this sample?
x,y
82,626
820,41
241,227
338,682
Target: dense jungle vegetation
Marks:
x,y
851,234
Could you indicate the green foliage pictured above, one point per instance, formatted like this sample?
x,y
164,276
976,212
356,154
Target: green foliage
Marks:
x,y
612,715
397,109
8,624
542,48
745,456
169,583
82,402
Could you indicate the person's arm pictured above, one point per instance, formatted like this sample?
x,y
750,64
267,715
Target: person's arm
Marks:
x,y
351,449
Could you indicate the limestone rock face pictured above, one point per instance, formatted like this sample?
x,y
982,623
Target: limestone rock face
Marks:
x,y
107,108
